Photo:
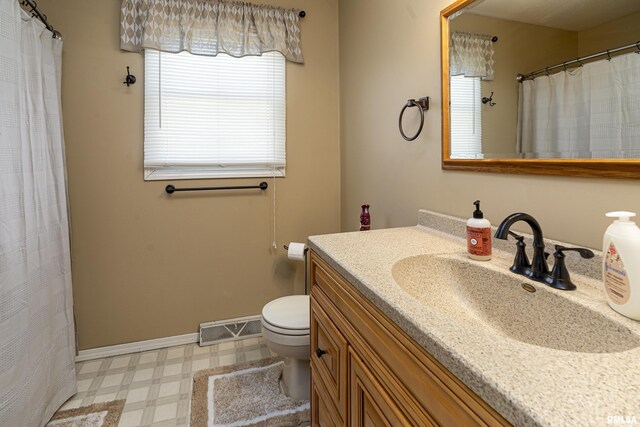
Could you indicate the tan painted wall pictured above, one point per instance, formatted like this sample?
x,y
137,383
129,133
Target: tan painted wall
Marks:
x,y
520,48
390,51
146,265
610,35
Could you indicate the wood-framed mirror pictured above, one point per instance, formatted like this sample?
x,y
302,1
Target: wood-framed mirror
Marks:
x,y
574,110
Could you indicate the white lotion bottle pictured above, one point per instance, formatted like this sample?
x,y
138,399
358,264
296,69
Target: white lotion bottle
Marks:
x,y
479,235
621,264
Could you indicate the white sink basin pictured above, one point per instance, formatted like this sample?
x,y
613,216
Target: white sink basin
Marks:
x,y
488,300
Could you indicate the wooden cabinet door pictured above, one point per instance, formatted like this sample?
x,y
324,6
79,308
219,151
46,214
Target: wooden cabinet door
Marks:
x,y
328,354
322,412
371,405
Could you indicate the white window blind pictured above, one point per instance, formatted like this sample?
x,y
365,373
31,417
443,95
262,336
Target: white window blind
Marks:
x,y
466,118
210,117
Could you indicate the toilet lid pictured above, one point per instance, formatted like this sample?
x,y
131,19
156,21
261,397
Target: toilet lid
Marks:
x,y
290,313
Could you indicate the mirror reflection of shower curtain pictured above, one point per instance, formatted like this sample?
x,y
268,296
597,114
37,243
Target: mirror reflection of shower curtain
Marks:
x,y
591,111
37,350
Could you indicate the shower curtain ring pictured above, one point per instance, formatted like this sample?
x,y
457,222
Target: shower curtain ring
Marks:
x,y
608,55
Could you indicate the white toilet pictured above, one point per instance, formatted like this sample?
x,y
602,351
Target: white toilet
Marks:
x,y
285,326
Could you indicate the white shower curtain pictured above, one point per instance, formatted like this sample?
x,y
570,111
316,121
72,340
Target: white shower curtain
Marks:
x,y
590,112
37,347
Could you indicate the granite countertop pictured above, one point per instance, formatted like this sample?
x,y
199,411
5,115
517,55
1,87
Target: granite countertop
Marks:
x,y
527,384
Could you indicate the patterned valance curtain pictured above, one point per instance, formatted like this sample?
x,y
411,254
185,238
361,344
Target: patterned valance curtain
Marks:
x,y
471,55
209,27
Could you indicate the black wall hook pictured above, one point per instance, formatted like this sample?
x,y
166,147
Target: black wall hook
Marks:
x,y
130,79
488,100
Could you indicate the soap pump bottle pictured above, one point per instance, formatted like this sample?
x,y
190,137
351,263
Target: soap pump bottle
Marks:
x,y
620,266
479,235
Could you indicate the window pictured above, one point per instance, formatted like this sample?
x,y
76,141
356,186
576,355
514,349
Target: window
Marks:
x,y
213,117
466,118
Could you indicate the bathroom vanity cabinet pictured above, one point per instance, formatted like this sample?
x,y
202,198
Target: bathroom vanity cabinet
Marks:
x,y
366,371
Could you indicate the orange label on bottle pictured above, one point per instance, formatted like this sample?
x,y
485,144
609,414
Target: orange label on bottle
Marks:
x,y
616,281
479,241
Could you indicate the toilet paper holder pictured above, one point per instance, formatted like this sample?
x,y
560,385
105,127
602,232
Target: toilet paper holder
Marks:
x,y
286,248
306,269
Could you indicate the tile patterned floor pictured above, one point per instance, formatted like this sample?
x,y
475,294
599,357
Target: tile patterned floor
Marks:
x,y
157,384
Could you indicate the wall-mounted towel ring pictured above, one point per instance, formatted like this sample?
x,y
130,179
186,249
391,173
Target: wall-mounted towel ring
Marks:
x,y
423,105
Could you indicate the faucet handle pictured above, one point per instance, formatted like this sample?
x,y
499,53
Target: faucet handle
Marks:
x,y
518,237
520,262
584,253
559,277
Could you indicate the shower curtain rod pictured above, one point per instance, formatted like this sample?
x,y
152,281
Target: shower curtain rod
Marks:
x,y
35,11
522,77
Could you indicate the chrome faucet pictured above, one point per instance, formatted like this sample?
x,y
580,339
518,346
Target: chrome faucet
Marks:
x,y
538,269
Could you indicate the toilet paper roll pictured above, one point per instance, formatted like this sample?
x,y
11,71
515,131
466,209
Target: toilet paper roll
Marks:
x,y
296,251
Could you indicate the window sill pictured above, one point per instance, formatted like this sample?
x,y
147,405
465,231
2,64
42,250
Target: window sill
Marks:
x,y
166,174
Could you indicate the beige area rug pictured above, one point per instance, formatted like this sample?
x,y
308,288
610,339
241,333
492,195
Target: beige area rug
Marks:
x,y
105,414
246,394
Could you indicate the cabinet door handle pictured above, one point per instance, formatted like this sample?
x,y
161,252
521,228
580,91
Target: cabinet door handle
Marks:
x,y
320,352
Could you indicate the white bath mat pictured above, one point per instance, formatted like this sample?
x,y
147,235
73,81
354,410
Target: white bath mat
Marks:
x,y
246,394
98,415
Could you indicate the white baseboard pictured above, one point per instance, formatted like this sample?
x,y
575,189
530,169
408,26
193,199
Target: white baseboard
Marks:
x,y
135,347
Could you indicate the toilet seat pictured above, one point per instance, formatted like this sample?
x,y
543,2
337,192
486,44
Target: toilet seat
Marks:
x,y
287,315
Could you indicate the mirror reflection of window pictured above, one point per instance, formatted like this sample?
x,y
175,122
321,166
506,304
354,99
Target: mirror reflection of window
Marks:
x,y
466,135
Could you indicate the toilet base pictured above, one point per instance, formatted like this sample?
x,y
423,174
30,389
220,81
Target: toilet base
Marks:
x,y
296,377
